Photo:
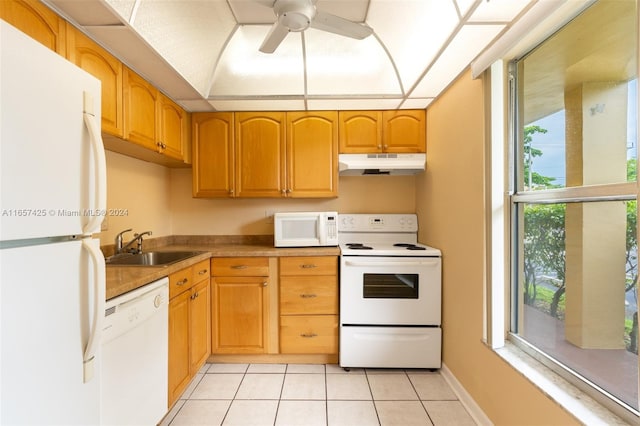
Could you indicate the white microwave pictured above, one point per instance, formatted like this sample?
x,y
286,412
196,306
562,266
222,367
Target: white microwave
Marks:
x,y
305,229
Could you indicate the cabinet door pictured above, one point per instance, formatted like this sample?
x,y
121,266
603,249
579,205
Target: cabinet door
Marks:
x,y
360,132
260,146
404,131
240,315
200,325
171,127
141,116
213,156
312,154
92,58
179,374
37,21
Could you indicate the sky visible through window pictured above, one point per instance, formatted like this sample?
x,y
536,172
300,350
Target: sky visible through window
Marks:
x,y
552,144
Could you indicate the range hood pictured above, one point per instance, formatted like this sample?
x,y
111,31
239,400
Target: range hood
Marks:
x,y
381,164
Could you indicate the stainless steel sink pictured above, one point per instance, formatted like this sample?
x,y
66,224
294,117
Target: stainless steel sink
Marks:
x,y
150,258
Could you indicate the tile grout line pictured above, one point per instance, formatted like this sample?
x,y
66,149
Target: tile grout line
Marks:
x,y
419,399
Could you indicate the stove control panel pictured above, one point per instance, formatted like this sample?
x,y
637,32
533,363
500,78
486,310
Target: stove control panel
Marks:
x,y
377,223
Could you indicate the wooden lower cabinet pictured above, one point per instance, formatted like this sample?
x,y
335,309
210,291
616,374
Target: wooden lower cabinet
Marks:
x,y
189,326
309,334
240,305
309,305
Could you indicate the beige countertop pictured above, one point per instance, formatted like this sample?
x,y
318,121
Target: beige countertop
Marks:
x,y
122,279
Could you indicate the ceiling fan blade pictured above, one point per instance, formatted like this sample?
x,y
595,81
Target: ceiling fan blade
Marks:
x,y
337,25
277,33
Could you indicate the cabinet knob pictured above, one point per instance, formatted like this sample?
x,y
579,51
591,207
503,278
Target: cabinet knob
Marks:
x,y
264,284
283,192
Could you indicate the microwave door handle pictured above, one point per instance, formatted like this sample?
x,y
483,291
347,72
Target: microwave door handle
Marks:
x,y
321,230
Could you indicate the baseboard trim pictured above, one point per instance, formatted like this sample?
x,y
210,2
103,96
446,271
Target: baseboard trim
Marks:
x,y
465,398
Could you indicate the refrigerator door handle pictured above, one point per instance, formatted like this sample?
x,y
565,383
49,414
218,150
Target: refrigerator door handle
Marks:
x,y
100,204
95,331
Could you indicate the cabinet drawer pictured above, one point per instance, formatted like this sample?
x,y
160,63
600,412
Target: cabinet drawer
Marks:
x,y
314,265
201,271
240,266
309,334
180,281
309,295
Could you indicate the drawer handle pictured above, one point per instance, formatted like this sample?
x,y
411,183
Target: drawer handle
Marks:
x,y
204,271
239,267
183,281
308,266
308,296
308,335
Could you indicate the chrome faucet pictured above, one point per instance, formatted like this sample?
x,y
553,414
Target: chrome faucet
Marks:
x,y
118,245
137,238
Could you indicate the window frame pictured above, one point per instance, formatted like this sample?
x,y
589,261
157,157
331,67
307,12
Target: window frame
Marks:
x,y
517,197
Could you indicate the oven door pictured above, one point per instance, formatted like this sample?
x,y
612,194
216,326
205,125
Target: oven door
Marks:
x,y
390,290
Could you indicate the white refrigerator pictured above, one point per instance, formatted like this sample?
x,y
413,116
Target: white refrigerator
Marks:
x,y
52,273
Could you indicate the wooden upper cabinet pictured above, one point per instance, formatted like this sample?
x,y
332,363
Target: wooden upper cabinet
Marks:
x,y
92,58
404,131
397,131
141,115
360,131
213,154
151,119
172,128
259,156
37,21
312,154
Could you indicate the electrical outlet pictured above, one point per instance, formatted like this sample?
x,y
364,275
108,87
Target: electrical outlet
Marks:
x,y
268,214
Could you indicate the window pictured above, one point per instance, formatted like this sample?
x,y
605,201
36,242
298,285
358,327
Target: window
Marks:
x,y
575,251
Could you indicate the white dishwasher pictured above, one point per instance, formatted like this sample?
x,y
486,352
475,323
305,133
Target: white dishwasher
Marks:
x,y
135,356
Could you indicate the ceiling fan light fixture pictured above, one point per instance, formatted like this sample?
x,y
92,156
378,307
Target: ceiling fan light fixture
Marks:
x,y
295,15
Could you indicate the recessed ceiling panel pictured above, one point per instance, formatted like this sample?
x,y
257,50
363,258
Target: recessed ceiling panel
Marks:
x,y
123,7
352,104
413,32
467,44
417,103
188,34
338,65
255,12
465,5
258,105
251,12
498,10
245,71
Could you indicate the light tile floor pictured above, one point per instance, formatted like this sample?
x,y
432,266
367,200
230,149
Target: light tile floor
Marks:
x,y
307,395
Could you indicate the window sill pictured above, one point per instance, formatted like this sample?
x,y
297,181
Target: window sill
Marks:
x,y
581,406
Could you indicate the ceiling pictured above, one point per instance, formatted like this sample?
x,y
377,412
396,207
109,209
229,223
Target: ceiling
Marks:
x,y
204,53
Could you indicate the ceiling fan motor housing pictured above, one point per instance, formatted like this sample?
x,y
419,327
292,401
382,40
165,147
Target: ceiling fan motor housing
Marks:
x,y
296,15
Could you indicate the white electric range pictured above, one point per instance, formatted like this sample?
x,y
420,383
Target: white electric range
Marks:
x,y
390,293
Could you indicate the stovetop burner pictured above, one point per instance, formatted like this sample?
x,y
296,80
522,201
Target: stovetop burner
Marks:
x,y
409,246
358,246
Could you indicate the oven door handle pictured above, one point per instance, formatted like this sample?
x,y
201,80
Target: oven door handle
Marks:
x,y
426,262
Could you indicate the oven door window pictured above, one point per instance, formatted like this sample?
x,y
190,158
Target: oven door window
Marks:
x,y
390,286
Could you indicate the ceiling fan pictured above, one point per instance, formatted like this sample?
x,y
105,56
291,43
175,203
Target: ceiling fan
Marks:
x,y
298,15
